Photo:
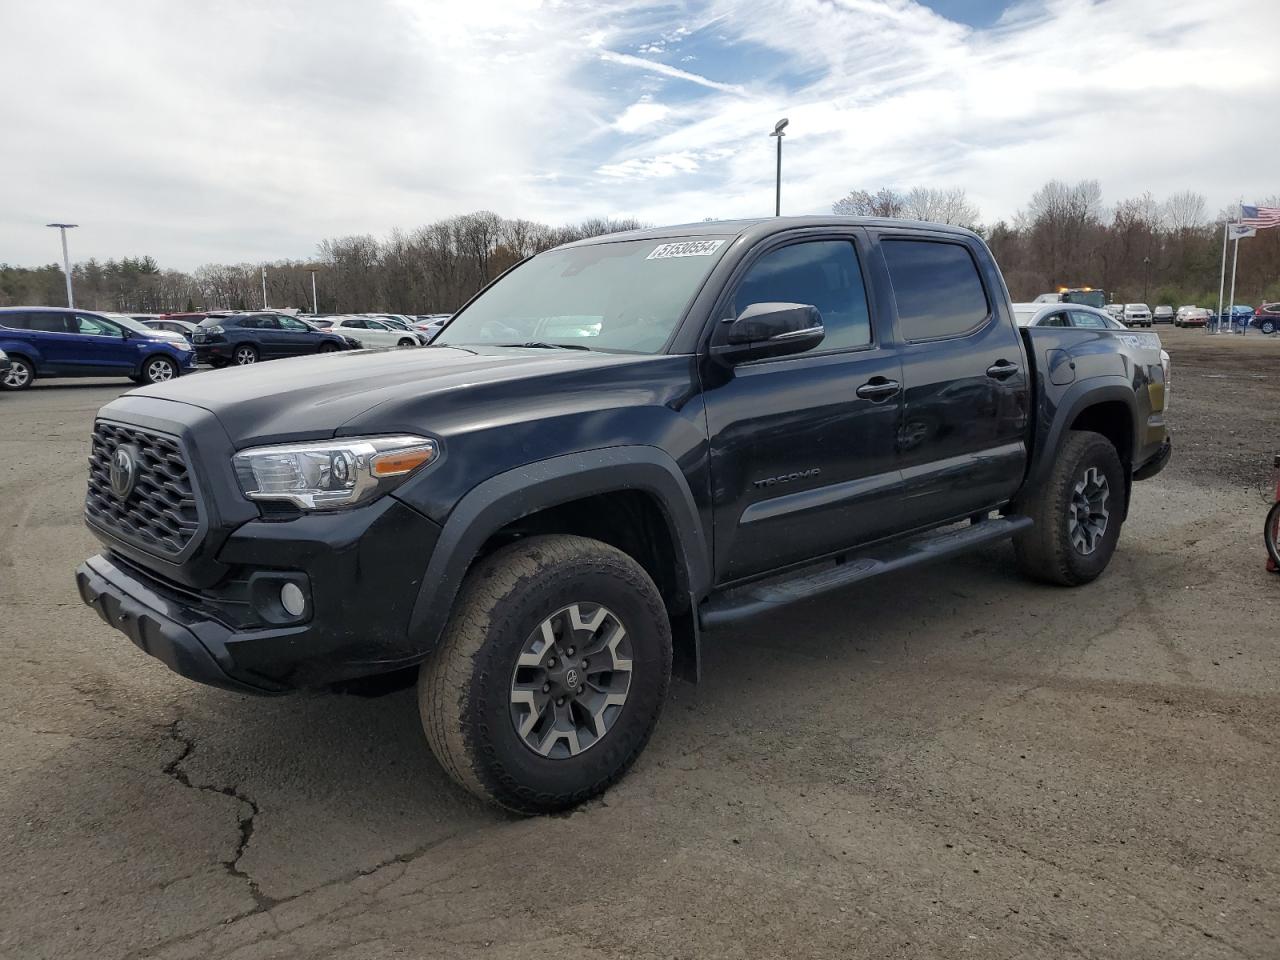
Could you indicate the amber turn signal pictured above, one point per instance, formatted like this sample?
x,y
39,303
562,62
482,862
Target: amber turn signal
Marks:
x,y
396,463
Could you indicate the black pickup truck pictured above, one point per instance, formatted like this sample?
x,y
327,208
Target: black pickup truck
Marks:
x,y
616,445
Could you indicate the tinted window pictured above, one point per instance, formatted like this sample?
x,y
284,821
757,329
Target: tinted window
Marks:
x,y
823,273
1053,320
47,322
937,288
356,323
1088,320
15,321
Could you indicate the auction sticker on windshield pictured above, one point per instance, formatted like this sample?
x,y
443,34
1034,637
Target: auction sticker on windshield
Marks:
x,y
688,248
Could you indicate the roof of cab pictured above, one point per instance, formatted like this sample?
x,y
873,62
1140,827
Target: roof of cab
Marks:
x,y
763,226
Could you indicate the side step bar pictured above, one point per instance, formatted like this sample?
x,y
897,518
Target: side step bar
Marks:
x,y
740,603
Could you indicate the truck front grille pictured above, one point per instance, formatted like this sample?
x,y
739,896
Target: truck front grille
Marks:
x,y
160,513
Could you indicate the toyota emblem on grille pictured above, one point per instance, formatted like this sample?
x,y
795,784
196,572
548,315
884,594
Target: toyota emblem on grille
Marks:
x,y
124,470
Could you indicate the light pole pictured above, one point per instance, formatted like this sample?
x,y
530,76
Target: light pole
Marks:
x,y
777,132
1146,277
66,260
315,304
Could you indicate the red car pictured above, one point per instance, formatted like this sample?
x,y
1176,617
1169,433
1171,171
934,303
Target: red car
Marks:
x,y
1267,317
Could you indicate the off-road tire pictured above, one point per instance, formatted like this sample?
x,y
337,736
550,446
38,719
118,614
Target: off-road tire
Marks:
x,y
464,690
1046,552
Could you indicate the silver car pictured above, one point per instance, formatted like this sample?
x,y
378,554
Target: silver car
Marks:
x,y
1136,315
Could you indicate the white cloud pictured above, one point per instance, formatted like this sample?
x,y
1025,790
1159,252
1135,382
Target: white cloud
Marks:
x,y
643,113
252,130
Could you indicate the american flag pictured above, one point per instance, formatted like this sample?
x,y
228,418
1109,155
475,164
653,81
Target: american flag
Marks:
x,y
1260,217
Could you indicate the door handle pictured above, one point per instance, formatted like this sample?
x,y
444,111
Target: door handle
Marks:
x,y
1002,370
877,389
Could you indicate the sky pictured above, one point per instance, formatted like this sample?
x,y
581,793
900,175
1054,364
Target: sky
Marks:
x,y
244,131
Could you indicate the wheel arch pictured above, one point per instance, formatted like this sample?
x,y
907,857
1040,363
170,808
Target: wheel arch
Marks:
x,y
1109,408
634,498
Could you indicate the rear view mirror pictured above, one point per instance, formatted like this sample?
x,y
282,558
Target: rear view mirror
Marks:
x,y
766,330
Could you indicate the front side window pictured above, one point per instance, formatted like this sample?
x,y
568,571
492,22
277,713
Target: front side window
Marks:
x,y
822,273
937,288
296,326
624,295
94,326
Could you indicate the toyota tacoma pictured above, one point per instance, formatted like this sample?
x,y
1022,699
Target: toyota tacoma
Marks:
x,y
615,446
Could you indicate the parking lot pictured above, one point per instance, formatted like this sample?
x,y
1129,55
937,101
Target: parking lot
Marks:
x,y
959,763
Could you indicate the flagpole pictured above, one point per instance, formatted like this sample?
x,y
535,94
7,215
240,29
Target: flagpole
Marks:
x,y
1231,318
1222,282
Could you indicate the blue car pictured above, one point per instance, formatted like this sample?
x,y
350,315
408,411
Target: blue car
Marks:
x,y
57,342
1239,317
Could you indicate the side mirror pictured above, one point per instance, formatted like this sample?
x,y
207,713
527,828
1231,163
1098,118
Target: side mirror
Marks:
x,y
765,330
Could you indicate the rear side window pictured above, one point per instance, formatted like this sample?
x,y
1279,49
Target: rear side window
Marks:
x,y
47,322
1088,320
15,321
937,288
823,273
1053,320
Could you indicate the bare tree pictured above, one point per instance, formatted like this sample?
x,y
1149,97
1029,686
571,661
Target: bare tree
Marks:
x,y
885,202
1184,210
946,205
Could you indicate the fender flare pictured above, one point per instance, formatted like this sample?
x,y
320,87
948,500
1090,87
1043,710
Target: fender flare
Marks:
x,y
498,501
1078,397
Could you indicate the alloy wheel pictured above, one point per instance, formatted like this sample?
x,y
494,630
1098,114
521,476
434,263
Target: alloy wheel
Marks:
x,y
158,371
1087,513
17,376
571,680
246,355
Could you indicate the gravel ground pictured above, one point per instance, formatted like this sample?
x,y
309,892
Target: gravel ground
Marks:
x,y
980,767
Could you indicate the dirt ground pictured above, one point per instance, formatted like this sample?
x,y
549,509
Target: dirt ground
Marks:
x,y
957,764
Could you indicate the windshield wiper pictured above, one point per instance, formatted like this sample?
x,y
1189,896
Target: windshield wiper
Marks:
x,y
545,345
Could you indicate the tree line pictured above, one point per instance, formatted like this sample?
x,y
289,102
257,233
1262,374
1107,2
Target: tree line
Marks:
x,y
1139,249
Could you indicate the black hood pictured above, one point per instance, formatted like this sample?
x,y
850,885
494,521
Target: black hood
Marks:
x,y
365,391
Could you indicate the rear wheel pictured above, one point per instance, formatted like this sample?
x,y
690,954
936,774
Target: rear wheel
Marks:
x,y
159,370
20,374
551,674
245,354
1268,326
1077,513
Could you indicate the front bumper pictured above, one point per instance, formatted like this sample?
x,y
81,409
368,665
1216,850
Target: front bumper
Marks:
x,y
361,570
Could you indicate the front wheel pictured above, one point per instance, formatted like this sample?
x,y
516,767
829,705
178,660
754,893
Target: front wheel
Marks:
x,y
159,370
406,342
1077,513
551,673
328,347
19,376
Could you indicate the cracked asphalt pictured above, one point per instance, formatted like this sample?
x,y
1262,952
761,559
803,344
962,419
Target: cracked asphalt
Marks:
x,y
954,763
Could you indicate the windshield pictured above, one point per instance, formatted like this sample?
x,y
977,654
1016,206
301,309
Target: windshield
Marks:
x,y
137,326
626,296
1090,298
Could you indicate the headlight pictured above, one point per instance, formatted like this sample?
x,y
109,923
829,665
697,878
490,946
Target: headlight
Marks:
x,y
330,474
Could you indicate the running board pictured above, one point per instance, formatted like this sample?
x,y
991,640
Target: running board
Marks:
x,y
740,603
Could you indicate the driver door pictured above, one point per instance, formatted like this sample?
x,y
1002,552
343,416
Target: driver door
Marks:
x,y
803,448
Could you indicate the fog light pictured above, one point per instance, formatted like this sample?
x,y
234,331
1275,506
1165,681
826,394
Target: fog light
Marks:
x,y
292,599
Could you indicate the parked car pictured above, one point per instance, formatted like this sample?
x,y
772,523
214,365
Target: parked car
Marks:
x,y
1048,314
545,524
57,342
376,333
432,324
246,338
1115,310
183,328
133,323
1136,315
1238,317
1267,317
1191,316
1162,314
